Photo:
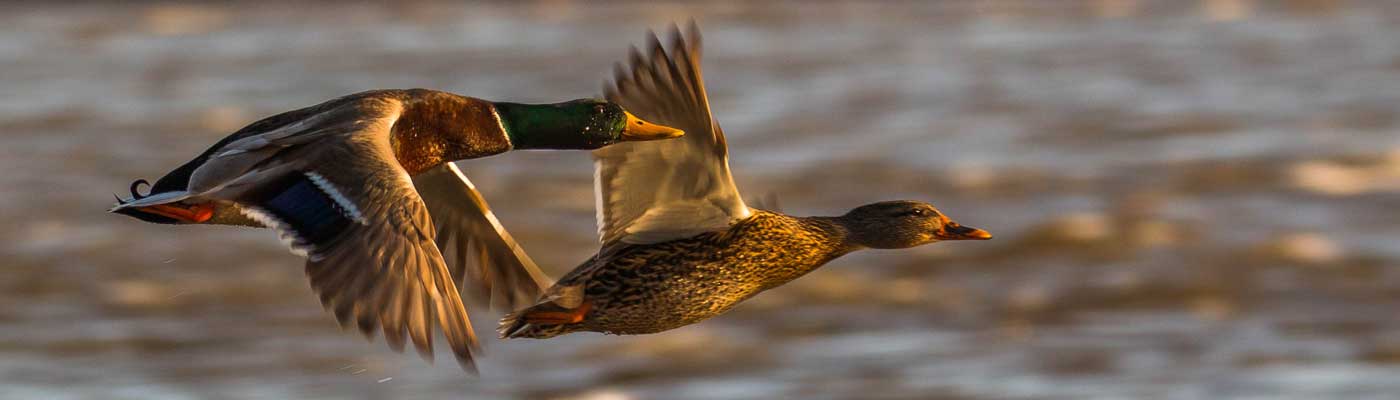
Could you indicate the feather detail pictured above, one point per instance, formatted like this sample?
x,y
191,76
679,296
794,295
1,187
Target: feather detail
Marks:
x,y
285,233
649,192
346,206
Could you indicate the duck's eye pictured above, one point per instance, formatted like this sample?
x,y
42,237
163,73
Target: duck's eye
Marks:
x,y
918,212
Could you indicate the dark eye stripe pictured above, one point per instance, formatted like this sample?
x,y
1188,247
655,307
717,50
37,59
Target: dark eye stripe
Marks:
x,y
918,212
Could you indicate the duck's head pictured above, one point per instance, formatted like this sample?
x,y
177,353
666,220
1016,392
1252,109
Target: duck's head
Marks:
x,y
902,224
582,124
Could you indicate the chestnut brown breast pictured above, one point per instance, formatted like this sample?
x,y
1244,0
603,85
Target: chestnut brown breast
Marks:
x,y
438,127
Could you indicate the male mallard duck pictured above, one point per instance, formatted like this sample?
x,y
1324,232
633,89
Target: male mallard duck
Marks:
x,y
679,244
341,182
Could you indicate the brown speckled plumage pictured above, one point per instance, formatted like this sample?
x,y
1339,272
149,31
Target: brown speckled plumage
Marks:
x,y
637,289
679,244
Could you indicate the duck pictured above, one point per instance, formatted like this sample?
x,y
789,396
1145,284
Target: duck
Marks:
x,y
678,243
364,187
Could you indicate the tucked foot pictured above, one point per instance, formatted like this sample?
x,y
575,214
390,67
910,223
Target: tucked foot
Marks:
x,y
187,213
572,316
171,213
542,320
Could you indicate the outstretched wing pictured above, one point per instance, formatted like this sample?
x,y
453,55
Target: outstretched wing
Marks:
x,y
369,240
484,259
334,192
649,192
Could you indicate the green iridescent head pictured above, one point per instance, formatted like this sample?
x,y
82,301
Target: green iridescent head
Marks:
x,y
582,124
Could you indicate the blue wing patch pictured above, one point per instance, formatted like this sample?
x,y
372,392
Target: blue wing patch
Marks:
x,y
308,214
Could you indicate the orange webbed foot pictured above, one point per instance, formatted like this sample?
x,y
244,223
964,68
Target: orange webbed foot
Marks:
x,y
572,316
189,213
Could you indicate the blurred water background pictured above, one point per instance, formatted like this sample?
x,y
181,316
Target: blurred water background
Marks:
x,y
1192,199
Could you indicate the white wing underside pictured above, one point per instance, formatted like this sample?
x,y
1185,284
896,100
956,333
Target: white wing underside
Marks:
x,y
649,203
650,192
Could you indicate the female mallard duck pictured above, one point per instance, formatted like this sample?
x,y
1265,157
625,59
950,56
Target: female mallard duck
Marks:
x,y
341,183
679,244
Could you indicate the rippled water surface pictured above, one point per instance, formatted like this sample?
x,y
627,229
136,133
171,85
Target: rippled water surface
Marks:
x,y
1192,200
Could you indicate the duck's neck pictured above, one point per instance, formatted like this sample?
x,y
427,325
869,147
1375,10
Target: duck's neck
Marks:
x,y
773,248
834,234
559,126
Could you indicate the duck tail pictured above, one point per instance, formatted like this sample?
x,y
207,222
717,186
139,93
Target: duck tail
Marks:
x,y
169,207
512,325
521,325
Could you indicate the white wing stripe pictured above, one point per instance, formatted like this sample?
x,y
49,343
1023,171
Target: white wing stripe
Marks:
x,y
340,199
600,204
285,233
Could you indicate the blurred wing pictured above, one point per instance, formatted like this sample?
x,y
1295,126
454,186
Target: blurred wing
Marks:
x,y
503,276
649,192
369,239
326,180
